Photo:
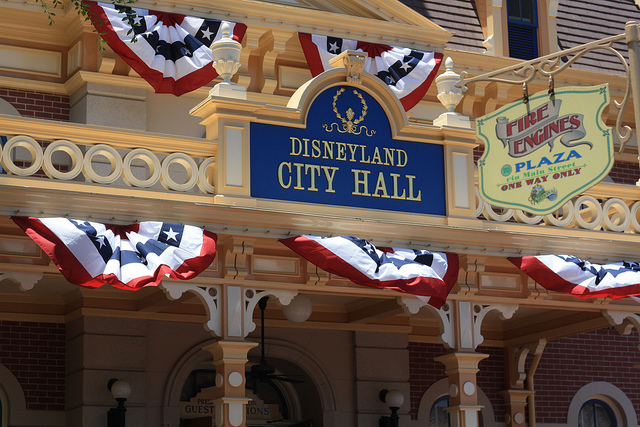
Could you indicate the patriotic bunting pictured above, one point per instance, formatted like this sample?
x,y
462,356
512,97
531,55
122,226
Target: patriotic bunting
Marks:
x,y
172,52
417,272
407,72
571,275
128,257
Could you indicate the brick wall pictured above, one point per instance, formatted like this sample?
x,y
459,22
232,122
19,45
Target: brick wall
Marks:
x,y
38,104
35,355
567,365
570,363
625,173
491,379
424,371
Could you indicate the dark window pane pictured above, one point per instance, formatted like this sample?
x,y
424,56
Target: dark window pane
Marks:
x,y
513,9
596,413
528,11
438,416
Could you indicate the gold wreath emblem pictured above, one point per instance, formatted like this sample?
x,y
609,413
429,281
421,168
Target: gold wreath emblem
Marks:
x,y
349,125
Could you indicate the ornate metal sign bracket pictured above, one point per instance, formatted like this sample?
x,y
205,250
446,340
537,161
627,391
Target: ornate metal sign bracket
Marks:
x,y
555,63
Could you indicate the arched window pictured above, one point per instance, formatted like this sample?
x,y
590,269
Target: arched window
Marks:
x,y
596,413
438,416
601,404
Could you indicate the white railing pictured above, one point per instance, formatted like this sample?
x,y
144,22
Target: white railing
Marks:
x,y
583,212
103,164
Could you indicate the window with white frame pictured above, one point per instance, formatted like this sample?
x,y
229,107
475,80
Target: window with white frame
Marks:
x,y
601,404
522,24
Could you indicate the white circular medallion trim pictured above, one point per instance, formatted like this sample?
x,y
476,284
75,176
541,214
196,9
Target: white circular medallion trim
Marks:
x,y
235,379
469,388
453,390
518,418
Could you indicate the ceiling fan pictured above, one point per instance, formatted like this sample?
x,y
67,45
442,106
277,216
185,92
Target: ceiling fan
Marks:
x,y
263,371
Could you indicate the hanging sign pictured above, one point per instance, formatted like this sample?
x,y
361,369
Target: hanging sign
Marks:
x,y
346,156
540,154
202,405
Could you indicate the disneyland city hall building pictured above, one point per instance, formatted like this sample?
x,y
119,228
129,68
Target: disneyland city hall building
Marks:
x,y
319,213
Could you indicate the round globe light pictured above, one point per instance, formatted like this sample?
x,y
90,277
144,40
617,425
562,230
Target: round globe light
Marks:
x,y
120,389
394,398
298,310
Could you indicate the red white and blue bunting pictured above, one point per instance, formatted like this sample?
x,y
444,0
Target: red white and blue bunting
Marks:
x,y
571,275
170,51
129,257
418,272
408,73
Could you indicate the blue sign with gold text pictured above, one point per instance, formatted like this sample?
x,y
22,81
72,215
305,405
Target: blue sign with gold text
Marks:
x,y
347,157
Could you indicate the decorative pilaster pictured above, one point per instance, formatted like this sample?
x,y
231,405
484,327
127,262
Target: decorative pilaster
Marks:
x,y
495,26
517,397
516,401
230,317
461,368
230,358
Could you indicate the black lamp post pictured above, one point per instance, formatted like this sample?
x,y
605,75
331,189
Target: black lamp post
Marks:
x,y
121,390
394,399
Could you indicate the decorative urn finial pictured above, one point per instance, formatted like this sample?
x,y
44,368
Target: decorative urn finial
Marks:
x,y
450,96
226,61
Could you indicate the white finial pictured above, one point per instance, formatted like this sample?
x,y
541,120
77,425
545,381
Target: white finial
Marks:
x,y
226,29
448,64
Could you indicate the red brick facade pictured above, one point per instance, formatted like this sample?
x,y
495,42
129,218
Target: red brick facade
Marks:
x,y
625,173
567,365
424,371
570,363
38,104
35,355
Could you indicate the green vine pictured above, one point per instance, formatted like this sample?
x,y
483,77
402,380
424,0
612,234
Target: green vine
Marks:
x,y
49,6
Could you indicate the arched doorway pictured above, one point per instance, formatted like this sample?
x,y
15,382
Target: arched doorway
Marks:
x,y
191,390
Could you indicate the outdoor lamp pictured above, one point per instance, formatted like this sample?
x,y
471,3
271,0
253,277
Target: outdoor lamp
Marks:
x,y
298,310
394,399
121,390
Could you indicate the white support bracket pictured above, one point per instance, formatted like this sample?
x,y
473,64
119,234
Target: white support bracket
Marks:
x,y
481,310
26,279
413,304
623,321
251,298
208,294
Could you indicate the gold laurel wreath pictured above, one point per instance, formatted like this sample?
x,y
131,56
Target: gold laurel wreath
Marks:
x,y
349,125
